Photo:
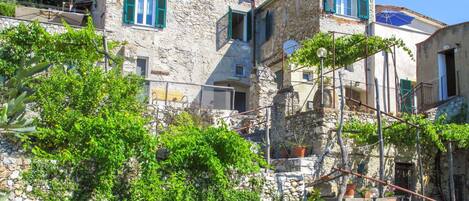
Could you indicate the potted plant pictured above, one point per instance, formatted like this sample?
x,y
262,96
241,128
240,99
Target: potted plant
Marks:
x,y
365,192
350,191
298,148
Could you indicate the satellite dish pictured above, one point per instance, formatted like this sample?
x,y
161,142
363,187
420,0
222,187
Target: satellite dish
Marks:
x,y
290,46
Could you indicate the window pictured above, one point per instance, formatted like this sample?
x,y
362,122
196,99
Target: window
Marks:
x,y
150,13
239,25
268,25
346,7
279,79
355,8
142,67
239,70
308,76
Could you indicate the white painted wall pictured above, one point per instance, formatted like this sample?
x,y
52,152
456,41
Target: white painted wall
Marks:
x,y
406,66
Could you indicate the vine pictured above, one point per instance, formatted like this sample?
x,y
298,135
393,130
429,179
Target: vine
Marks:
x,y
348,49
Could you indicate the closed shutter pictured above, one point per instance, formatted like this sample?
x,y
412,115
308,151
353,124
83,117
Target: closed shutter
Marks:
x,y
406,96
249,24
268,25
330,6
129,11
161,14
363,9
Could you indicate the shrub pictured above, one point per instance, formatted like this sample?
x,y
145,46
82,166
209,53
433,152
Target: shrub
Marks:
x,y
7,9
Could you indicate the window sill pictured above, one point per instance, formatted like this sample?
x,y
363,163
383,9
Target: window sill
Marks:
x,y
349,17
142,27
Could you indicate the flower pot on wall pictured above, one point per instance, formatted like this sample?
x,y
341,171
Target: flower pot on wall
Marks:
x,y
350,192
299,151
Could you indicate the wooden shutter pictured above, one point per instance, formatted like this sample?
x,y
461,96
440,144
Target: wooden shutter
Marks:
x,y
406,96
161,14
223,30
268,25
330,6
249,24
230,23
129,11
363,9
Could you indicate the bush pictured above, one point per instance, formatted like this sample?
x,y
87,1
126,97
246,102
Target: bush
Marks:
x,y
7,9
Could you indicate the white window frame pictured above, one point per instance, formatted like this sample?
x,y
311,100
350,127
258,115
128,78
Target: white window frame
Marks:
x,y
245,24
341,8
144,23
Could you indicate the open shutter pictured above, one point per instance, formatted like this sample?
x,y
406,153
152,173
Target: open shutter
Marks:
x,y
230,23
268,25
330,6
406,96
363,9
249,24
223,30
129,11
161,14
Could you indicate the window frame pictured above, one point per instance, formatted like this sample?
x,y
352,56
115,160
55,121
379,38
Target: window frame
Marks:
x,y
155,12
245,24
342,7
147,64
243,74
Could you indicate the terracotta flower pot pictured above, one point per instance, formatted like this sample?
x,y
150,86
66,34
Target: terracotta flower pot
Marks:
x,y
367,194
350,192
299,151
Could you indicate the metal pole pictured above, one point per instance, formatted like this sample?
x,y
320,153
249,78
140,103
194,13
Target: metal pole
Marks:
x,y
106,59
267,134
322,83
381,142
201,97
333,70
451,172
166,94
419,158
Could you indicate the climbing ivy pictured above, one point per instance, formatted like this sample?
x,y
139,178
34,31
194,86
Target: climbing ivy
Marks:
x,y
348,49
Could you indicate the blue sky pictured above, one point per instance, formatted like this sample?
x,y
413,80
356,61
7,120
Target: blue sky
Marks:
x,y
448,11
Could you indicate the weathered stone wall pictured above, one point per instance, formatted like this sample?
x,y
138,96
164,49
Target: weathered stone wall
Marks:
x,y
13,162
186,49
7,22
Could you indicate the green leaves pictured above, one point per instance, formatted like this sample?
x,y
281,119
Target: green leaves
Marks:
x,y
348,49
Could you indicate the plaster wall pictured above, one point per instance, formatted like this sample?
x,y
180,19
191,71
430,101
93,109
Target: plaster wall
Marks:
x,y
457,37
405,64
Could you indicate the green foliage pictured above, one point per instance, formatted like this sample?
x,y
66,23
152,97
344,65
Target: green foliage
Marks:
x,y
349,49
432,134
315,195
7,9
14,95
27,44
202,159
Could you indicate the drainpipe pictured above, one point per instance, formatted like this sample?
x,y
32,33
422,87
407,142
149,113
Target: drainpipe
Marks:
x,y
253,35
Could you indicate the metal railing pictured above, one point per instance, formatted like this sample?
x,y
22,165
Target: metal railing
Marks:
x,y
422,97
183,95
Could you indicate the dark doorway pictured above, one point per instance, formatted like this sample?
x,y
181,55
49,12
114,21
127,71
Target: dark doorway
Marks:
x,y
402,177
240,101
450,73
459,181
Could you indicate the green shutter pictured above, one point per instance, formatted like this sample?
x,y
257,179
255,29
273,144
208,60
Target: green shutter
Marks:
x,y
249,24
129,11
330,6
230,23
363,9
161,14
268,25
406,96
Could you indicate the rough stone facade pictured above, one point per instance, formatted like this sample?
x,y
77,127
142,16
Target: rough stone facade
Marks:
x,y
186,49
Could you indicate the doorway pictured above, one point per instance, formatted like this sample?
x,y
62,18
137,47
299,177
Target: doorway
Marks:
x,y
240,101
402,176
447,74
